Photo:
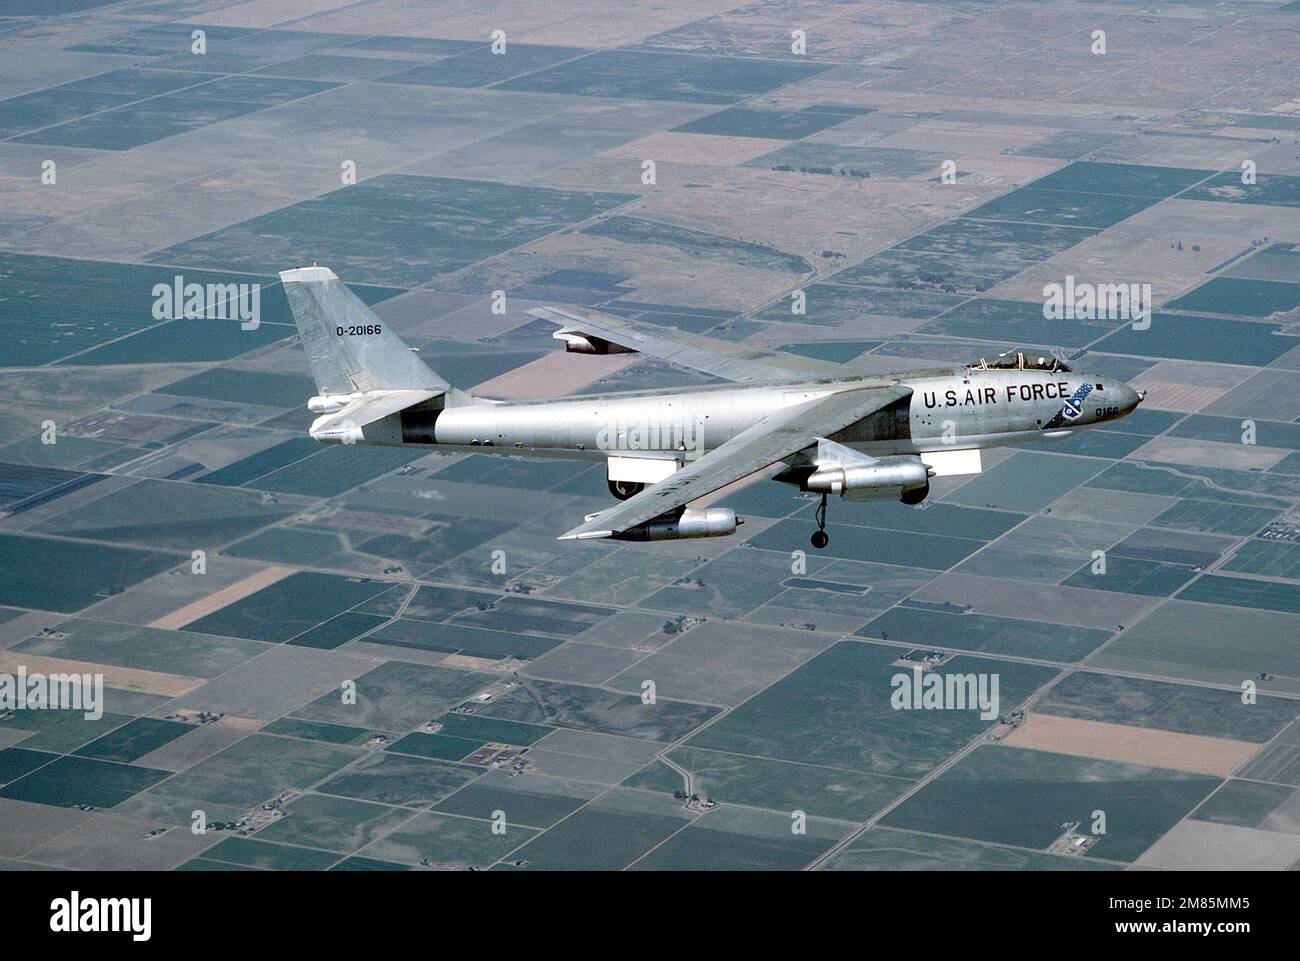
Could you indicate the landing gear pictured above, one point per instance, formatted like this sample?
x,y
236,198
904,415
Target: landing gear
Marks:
x,y
625,489
820,538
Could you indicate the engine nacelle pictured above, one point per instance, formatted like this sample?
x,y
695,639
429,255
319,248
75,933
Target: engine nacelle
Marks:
x,y
329,403
576,343
711,522
888,476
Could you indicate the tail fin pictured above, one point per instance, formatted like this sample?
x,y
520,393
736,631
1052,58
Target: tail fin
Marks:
x,y
348,348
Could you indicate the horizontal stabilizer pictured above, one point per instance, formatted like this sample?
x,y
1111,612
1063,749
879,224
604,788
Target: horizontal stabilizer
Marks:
x,y
348,425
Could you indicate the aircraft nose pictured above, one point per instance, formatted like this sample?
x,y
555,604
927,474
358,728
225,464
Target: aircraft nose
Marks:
x,y
1130,398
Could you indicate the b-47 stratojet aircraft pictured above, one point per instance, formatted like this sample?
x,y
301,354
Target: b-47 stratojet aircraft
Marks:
x,y
832,430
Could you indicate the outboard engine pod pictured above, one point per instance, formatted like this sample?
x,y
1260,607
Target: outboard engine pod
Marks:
x,y
578,343
711,522
329,403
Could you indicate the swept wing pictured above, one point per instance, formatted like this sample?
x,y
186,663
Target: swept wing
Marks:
x,y
734,362
773,438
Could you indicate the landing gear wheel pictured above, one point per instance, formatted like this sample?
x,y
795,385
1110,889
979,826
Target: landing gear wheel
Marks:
x,y
820,538
625,489
916,494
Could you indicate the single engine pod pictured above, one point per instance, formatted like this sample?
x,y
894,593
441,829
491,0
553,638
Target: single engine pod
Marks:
x,y
711,522
888,472
576,343
329,403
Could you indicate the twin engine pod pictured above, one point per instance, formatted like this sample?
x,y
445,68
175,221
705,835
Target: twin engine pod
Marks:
x,y
711,522
882,477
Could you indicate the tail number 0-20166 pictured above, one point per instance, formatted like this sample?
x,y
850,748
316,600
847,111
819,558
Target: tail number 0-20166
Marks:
x,y
361,330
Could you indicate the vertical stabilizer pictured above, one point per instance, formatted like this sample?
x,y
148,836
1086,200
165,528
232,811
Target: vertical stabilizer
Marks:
x,y
349,349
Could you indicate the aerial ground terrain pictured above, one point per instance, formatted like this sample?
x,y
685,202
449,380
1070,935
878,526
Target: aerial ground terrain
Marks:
x,y
340,658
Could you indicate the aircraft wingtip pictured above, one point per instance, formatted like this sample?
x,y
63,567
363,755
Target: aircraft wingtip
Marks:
x,y
584,535
306,274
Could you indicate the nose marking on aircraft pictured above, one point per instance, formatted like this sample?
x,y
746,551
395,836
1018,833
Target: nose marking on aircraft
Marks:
x,y
1072,409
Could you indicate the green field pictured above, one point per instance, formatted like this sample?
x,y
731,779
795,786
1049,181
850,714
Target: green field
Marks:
x,y
66,576
1163,706
1189,641
664,76
158,514
1011,796
288,608
985,633
885,849
835,712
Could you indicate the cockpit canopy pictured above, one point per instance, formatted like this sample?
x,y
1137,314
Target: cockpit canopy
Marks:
x,y
1019,360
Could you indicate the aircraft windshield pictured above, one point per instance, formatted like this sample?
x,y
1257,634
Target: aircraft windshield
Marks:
x,y
1018,360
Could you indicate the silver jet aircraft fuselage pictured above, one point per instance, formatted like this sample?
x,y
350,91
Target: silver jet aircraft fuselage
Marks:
x,y
830,431
949,408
